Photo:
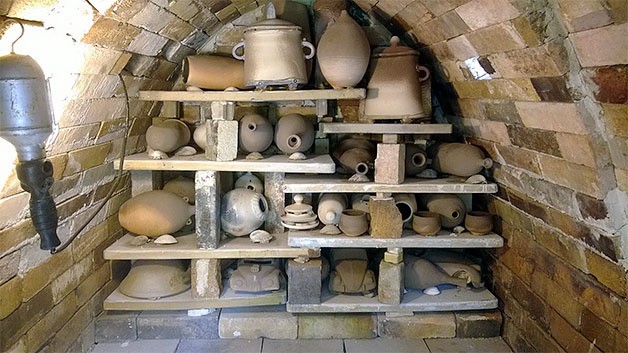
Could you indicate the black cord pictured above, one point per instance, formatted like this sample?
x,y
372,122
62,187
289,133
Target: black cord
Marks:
x,y
117,179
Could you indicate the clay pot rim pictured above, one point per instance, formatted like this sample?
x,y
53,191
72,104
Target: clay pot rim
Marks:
x,y
353,212
479,214
426,214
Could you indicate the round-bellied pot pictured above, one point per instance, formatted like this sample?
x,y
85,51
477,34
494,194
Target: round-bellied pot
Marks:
x,y
353,223
330,207
416,159
294,133
426,223
168,135
242,211
449,206
478,223
183,187
256,133
460,159
250,181
155,213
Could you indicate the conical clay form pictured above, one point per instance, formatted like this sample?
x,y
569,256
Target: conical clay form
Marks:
x,y
155,213
343,52
460,159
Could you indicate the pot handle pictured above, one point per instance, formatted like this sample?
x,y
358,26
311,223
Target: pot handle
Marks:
x,y
306,44
424,72
235,49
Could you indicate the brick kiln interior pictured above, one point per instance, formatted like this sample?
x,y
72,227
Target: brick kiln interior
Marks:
x,y
540,85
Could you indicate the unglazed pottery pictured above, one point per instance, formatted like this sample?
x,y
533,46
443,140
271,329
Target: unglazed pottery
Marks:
x,y
355,155
168,135
416,159
353,223
394,87
426,223
242,211
420,274
256,275
294,133
255,133
469,274
460,159
299,215
325,13
200,136
406,204
343,52
360,202
155,213
183,187
251,182
478,223
330,207
273,53
166,239
350,273
154,279
260,236
449,206
213,72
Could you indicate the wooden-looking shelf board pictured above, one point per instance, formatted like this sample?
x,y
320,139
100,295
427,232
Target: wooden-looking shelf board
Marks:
x,y
334,183
186,248
275,163
252,96
184,301
409,239
354,128
413,300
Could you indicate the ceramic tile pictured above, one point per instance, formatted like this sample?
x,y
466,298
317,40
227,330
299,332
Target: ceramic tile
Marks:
x,y
468,345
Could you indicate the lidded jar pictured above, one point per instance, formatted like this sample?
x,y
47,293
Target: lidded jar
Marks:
x,y
394,88
273,53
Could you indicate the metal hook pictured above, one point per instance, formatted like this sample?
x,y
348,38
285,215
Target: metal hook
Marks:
x,y
19,37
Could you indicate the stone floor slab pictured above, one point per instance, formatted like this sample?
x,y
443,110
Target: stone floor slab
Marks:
x,y
380,345
139,346
220,346
470,345
302,346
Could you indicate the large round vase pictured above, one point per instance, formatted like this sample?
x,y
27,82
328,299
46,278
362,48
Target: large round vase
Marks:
x,y
294,133
343,52
460,159
155,213
256,133
168,135
242,211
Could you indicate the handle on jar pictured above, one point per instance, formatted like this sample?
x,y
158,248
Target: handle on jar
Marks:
x,y
238,46
422,69
306,44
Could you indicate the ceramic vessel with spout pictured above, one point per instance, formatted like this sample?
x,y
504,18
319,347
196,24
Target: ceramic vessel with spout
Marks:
x,y
460,159
250,181
294,133
394,87
155,213
183,187
256,133
449,206
416,159
330,207
168,135
242,211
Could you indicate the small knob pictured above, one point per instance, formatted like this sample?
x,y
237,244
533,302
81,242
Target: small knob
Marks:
x,y
394,41
298,198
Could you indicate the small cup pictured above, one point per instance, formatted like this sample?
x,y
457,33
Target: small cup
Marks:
x,y
478,223
353,223
426,223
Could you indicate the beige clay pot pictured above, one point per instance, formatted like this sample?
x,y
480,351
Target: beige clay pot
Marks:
x,y
343,52
478,223
330,207
416,159
155,213
154,279
294,133
449,206
460,159
168,135
255,133
355,155
406,204
213,72
353,223
426,223
184,187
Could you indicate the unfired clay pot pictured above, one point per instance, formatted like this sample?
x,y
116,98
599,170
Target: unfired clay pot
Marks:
x,y
426,223
406,204
460,159
154,279
242,211
155,213
478,223
353,223
256,133
213,72
251,182
183,187
168,135
200,136
449,206
355,155
294,133
325,12
360,202
416,159
330,207
394,88
420,274
343,52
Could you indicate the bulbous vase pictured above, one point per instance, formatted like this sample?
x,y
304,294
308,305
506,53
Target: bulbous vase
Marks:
x,y
460,159
294,133
449,206
168,135
242,211
330,207
256,133
155,213
184,187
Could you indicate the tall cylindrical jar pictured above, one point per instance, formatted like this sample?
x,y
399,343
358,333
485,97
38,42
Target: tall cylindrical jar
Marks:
x,y
343,52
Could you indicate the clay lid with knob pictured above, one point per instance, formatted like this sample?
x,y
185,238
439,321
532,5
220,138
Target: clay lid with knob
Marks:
x,y
394,50
298,207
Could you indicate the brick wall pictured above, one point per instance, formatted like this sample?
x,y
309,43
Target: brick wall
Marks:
x,y
48,302
554,116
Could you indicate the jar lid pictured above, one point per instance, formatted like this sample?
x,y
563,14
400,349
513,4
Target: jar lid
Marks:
x,y
394,50
272,22
298,207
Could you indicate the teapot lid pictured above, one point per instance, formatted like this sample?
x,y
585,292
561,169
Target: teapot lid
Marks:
x,y
395,49
298,207
272,22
